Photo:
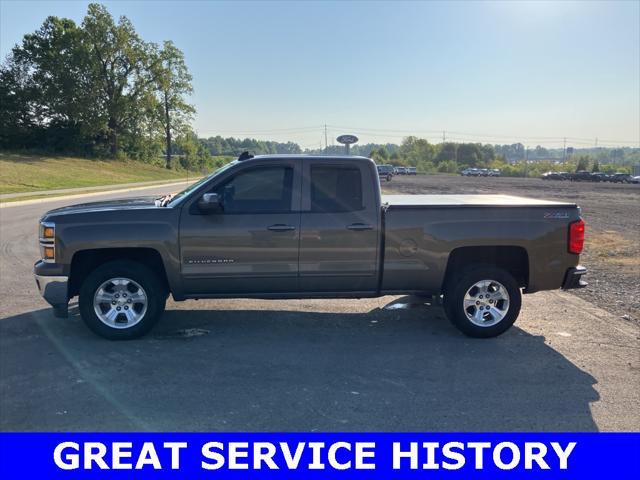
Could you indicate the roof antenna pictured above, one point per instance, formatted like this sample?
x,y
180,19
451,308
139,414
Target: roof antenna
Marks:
x,y
245,156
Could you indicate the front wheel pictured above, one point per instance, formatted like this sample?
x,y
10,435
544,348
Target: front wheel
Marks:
x,y
483,301
122,300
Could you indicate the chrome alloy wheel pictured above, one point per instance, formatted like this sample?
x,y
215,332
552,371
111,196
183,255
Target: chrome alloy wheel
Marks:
x,y
486,303
120,303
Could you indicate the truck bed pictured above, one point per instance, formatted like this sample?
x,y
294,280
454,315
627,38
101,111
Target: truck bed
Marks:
x,y
421,201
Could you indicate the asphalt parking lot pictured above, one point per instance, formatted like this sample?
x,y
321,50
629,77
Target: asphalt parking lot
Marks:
x,y
391,364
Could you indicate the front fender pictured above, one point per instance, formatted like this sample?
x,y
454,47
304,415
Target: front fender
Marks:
x,y
155,229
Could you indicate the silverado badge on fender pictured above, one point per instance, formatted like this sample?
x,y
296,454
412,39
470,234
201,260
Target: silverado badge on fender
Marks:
x,y
193,261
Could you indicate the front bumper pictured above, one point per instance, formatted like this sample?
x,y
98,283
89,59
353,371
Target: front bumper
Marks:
x,y
54,289
572,278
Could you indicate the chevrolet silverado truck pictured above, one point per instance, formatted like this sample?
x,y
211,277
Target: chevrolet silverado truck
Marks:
x,y
297,226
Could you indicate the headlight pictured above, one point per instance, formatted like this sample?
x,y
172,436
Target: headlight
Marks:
x,y
48,242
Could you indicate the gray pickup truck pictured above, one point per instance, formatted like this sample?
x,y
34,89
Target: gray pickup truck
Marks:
x,y
305,227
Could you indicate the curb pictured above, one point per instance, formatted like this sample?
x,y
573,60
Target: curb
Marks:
x,y
53,198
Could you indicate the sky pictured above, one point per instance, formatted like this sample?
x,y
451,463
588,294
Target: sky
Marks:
x,y
491,72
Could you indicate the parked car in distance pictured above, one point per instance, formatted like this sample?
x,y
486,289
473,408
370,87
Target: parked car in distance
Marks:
x,y
581,176
620,177
600,177
635,179
293,227
480,172
555,176
401,170
386,172
412,171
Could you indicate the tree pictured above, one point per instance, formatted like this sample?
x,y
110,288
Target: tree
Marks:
x,y
417,151
488,153
383,154
186,146
596,167
47,81
120,69
583,163
448,166
173,82
380,155
541,152
16,117
203,157
93,88
469,155
447,152
515,151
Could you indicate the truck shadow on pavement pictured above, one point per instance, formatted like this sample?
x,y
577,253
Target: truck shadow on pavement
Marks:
x,y
390,369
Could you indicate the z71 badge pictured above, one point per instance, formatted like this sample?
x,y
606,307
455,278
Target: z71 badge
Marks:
x,y
556,215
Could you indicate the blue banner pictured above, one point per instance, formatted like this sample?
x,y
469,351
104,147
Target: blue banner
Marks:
x,y
319,455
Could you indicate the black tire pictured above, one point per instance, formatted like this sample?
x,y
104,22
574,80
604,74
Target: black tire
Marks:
x,y
156,294
457,288
388,178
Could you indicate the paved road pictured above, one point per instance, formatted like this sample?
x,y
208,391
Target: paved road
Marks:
x,y
392,363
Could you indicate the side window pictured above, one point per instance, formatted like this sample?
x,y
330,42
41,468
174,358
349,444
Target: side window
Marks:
x,y
259,190
336,189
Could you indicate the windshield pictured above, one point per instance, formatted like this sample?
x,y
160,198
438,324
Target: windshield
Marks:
x,y
179,197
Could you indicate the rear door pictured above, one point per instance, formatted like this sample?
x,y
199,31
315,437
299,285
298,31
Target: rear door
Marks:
x,y
339,232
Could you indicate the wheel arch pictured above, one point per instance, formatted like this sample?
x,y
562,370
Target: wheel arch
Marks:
x,y
513,259
84,262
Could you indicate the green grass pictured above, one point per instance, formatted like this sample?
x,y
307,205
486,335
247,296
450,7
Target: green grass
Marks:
x,y
32,173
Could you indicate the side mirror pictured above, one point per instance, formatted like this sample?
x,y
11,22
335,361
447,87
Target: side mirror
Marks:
x,y
210,203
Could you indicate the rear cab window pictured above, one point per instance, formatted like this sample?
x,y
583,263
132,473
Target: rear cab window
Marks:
x,y
336,188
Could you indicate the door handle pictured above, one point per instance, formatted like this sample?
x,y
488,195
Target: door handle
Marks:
x,y
279,227
359,226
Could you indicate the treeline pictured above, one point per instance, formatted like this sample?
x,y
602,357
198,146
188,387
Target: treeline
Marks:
x,y
363,150
454,157
94,89
235,146
518,151
445,157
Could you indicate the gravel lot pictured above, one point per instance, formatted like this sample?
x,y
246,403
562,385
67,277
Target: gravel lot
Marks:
x,y
612,213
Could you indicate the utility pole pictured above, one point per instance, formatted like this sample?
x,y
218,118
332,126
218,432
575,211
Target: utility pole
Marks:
x,y
326,142
564,151
444,136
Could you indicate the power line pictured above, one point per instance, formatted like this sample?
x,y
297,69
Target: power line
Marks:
x,y
258,132
479,135
431,135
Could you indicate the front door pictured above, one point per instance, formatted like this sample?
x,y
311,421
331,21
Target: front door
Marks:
x,y
251,245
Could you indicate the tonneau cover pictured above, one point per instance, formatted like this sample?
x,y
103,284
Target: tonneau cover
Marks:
x,y
416,201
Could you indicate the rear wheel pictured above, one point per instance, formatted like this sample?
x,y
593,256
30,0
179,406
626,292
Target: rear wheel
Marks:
x,y
122,300
483,301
